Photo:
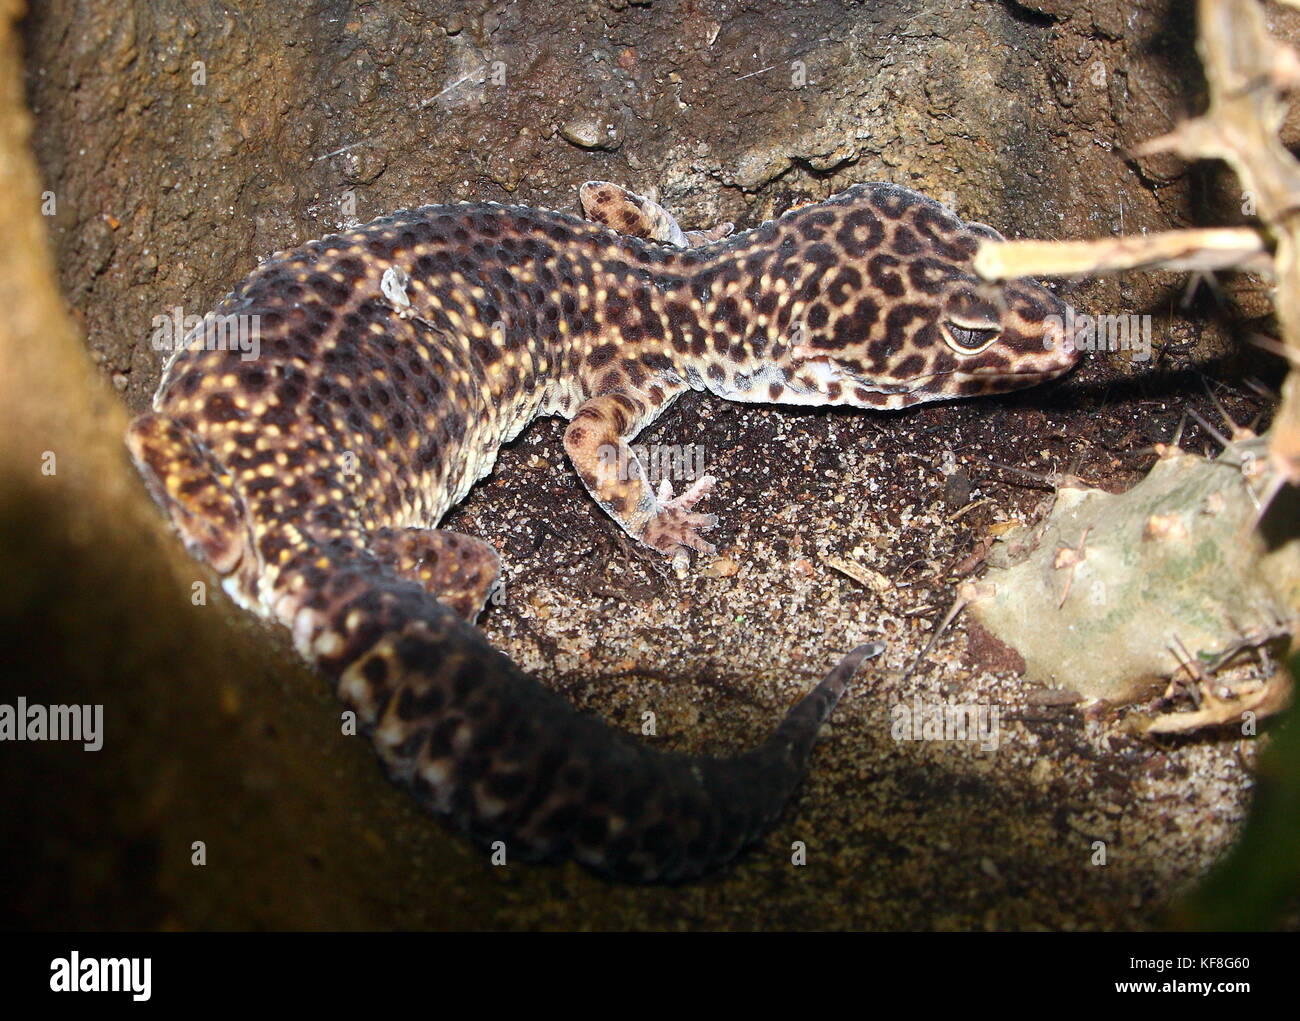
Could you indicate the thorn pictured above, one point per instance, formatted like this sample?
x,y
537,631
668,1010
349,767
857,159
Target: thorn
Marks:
x,y
1238,432
1177,441
456,84
421,106
1194,283
1172,449
1276,483
1053,480
1224,442
1275,347
1268,393
346,148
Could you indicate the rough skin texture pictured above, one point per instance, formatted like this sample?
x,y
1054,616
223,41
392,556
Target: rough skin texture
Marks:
x,y
396,359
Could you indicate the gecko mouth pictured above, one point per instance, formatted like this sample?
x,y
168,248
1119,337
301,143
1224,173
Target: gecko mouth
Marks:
x,y
1018,373
1018,377
927,382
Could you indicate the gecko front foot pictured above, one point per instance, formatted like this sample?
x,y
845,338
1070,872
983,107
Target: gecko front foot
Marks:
x,y
672,528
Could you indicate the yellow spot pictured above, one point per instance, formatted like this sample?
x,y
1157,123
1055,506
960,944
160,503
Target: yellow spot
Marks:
x,y
328,644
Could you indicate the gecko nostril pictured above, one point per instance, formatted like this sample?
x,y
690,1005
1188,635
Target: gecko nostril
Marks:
x,y
1060,336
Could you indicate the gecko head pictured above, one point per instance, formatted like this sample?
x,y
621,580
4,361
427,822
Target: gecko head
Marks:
x,y
903,318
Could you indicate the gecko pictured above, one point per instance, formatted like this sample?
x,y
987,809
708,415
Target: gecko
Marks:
x,y
394,361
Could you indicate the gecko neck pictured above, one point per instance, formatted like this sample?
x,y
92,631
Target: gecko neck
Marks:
x,y
700,314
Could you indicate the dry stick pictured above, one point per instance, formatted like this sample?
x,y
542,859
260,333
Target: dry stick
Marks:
x,y
1258,641
965,594
1199,688
1069,558
1199,250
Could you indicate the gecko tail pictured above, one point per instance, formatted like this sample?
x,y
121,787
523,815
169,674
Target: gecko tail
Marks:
x,y
722,805
512,764
749,792
801,724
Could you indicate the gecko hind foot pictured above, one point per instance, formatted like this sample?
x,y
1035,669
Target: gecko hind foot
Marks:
x,y
673,529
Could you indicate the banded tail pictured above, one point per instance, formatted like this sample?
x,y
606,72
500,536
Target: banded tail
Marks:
x,y
480,742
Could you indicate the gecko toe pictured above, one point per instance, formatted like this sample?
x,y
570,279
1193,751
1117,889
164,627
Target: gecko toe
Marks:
x,y
673,528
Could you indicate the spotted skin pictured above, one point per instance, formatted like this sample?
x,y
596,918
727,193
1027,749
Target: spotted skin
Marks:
x,y
396,359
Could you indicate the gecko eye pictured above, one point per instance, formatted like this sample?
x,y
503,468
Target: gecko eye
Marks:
x,y
968,339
